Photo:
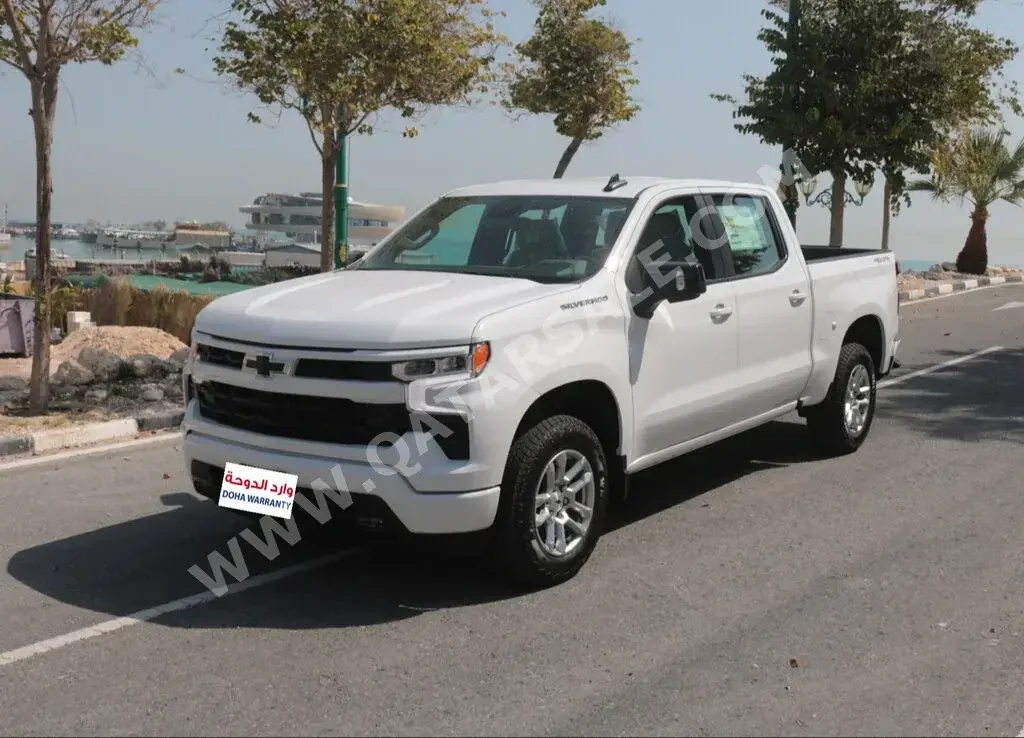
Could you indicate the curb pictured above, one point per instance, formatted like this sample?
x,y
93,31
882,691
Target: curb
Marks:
x,y
961,285
61,439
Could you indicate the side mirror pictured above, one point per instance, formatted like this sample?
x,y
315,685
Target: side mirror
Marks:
x,y
674,281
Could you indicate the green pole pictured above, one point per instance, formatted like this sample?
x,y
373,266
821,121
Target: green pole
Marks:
x,y
341,203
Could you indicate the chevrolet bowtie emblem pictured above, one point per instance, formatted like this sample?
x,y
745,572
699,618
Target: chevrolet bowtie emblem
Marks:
x,y
264,365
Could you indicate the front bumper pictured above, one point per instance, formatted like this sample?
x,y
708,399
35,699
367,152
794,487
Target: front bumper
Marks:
x,y
417,512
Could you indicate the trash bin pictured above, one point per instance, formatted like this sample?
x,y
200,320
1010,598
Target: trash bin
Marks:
x,y
17,315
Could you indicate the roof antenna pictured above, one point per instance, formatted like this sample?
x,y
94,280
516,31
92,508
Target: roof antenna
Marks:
x,y
615,183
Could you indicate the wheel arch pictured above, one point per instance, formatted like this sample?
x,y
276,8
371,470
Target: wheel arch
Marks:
x,y
867,330
593,402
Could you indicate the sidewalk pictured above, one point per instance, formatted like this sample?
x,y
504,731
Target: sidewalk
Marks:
x,y
942,279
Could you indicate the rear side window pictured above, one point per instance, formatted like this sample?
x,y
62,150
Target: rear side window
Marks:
x,y
753,242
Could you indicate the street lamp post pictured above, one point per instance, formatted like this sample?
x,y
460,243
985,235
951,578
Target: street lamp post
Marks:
x,y
824,198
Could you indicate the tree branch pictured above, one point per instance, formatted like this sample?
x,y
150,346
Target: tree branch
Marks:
x,y
358,124
312,135
19,39
12,64
131,13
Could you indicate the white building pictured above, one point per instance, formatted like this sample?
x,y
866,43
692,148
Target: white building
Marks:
x,y
298,217
292,254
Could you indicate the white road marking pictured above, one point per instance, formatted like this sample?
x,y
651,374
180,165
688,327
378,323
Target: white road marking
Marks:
x,y
88,451
1008,306
1021,733
937,367
109,626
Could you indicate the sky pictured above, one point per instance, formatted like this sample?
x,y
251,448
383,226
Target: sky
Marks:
x,y
135,143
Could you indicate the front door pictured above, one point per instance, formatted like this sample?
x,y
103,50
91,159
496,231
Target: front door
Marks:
x,y
683,359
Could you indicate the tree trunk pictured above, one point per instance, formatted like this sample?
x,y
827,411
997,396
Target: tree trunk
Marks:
x,y
973,257
835,233
790,202
886,214
329,161
567,155
44,108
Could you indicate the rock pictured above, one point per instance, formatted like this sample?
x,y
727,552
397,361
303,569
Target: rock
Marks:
x,y
106,366
13,384
96,395
152,394
64,392
179,357
164,367
13,398
172,391
72,373
948,266
141,365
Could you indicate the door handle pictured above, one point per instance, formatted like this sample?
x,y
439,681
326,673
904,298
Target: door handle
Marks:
x,y
797,298
720,313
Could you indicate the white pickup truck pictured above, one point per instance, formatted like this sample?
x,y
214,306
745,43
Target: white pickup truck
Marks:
x,y
509,357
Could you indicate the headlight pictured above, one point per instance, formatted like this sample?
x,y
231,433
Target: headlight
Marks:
x,y
469,362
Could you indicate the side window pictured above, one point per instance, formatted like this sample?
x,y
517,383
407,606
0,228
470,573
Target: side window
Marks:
x,y
668,236
752,239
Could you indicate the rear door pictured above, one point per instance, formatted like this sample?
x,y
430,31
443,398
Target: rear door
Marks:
x,y
774,311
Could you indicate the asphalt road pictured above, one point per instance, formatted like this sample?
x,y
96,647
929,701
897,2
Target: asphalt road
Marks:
x,y
750,590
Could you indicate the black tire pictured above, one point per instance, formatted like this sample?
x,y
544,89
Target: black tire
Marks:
x,y
826,421
519,548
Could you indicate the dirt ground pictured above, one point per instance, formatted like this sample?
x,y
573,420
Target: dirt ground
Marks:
x,y
122,341
19,426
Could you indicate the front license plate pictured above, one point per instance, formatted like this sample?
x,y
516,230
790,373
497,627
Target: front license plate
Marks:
x,y
260,491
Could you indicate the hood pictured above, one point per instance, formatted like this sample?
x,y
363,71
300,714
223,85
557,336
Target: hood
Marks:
x,y
368,309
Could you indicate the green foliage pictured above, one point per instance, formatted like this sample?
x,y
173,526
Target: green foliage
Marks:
x,y
976,166
270,275
68,31
63,300
338,62
874,84
575,67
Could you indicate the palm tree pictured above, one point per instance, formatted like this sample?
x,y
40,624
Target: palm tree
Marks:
x,y
976,166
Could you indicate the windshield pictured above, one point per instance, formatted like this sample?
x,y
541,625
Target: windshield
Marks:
x,y
545,238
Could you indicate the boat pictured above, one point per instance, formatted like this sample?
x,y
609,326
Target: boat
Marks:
x,y
126,238
298,217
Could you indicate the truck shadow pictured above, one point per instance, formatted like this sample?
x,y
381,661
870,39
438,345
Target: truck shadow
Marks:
x,y
121,569
981,399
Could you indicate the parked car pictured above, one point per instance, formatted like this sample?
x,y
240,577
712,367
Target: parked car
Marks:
x,y
565,333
